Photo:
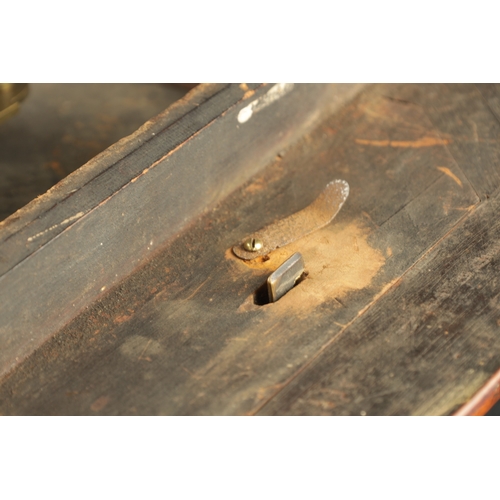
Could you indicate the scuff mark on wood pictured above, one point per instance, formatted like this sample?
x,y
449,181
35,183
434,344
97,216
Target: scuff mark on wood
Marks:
x,y
55,226
196,290
99,403
424,142
449,173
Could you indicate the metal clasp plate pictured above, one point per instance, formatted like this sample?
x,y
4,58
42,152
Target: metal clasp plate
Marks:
x,y
319,213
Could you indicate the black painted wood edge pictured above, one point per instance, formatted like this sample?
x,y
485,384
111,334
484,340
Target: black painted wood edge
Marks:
x,y
105,160
147,147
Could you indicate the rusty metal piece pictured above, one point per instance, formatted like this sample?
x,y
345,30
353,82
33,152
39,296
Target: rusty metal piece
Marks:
x,y
285,277
318,214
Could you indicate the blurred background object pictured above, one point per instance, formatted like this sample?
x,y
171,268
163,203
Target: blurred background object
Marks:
x,y
59,127
11,95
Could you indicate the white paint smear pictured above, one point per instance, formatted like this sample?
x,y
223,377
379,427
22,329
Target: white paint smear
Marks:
x,y
63,223
273,94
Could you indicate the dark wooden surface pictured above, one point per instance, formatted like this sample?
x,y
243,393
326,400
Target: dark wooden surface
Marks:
x,y
399,313
464,118
138,196
431,340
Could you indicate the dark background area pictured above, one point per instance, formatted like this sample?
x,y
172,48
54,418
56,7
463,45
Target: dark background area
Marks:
x,y
60,127
495,411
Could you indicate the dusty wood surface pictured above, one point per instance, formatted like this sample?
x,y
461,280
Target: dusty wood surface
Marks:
x,y
399,313
133,199
431,340
463,116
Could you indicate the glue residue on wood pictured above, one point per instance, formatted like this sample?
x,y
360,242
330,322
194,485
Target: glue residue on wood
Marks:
x,y
338,260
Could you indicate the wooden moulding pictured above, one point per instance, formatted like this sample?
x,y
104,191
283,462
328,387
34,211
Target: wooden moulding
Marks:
x,y
66,248
483,400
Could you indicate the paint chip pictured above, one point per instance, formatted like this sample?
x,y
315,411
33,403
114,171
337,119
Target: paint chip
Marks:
x,y
273,94
424,142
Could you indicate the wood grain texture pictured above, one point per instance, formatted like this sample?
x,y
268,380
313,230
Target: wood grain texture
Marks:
x,y
425,347
463,118
491,95
182,334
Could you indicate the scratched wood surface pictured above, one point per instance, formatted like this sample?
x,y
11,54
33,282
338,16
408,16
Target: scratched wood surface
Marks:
x,y
465,117
431,341
399,313
106,220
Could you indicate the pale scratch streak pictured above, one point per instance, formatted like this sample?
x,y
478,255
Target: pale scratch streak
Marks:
x,y
268,330
143,351
196,290
190,372
424,142
449,173
273,94
63,223
474,127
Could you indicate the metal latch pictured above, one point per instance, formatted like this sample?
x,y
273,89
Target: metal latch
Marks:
x,y
285,277
318,214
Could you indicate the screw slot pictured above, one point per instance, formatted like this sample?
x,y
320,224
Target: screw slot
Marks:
x,y
253,244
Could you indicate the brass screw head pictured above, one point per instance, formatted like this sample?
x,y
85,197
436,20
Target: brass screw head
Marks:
x,y
253,244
